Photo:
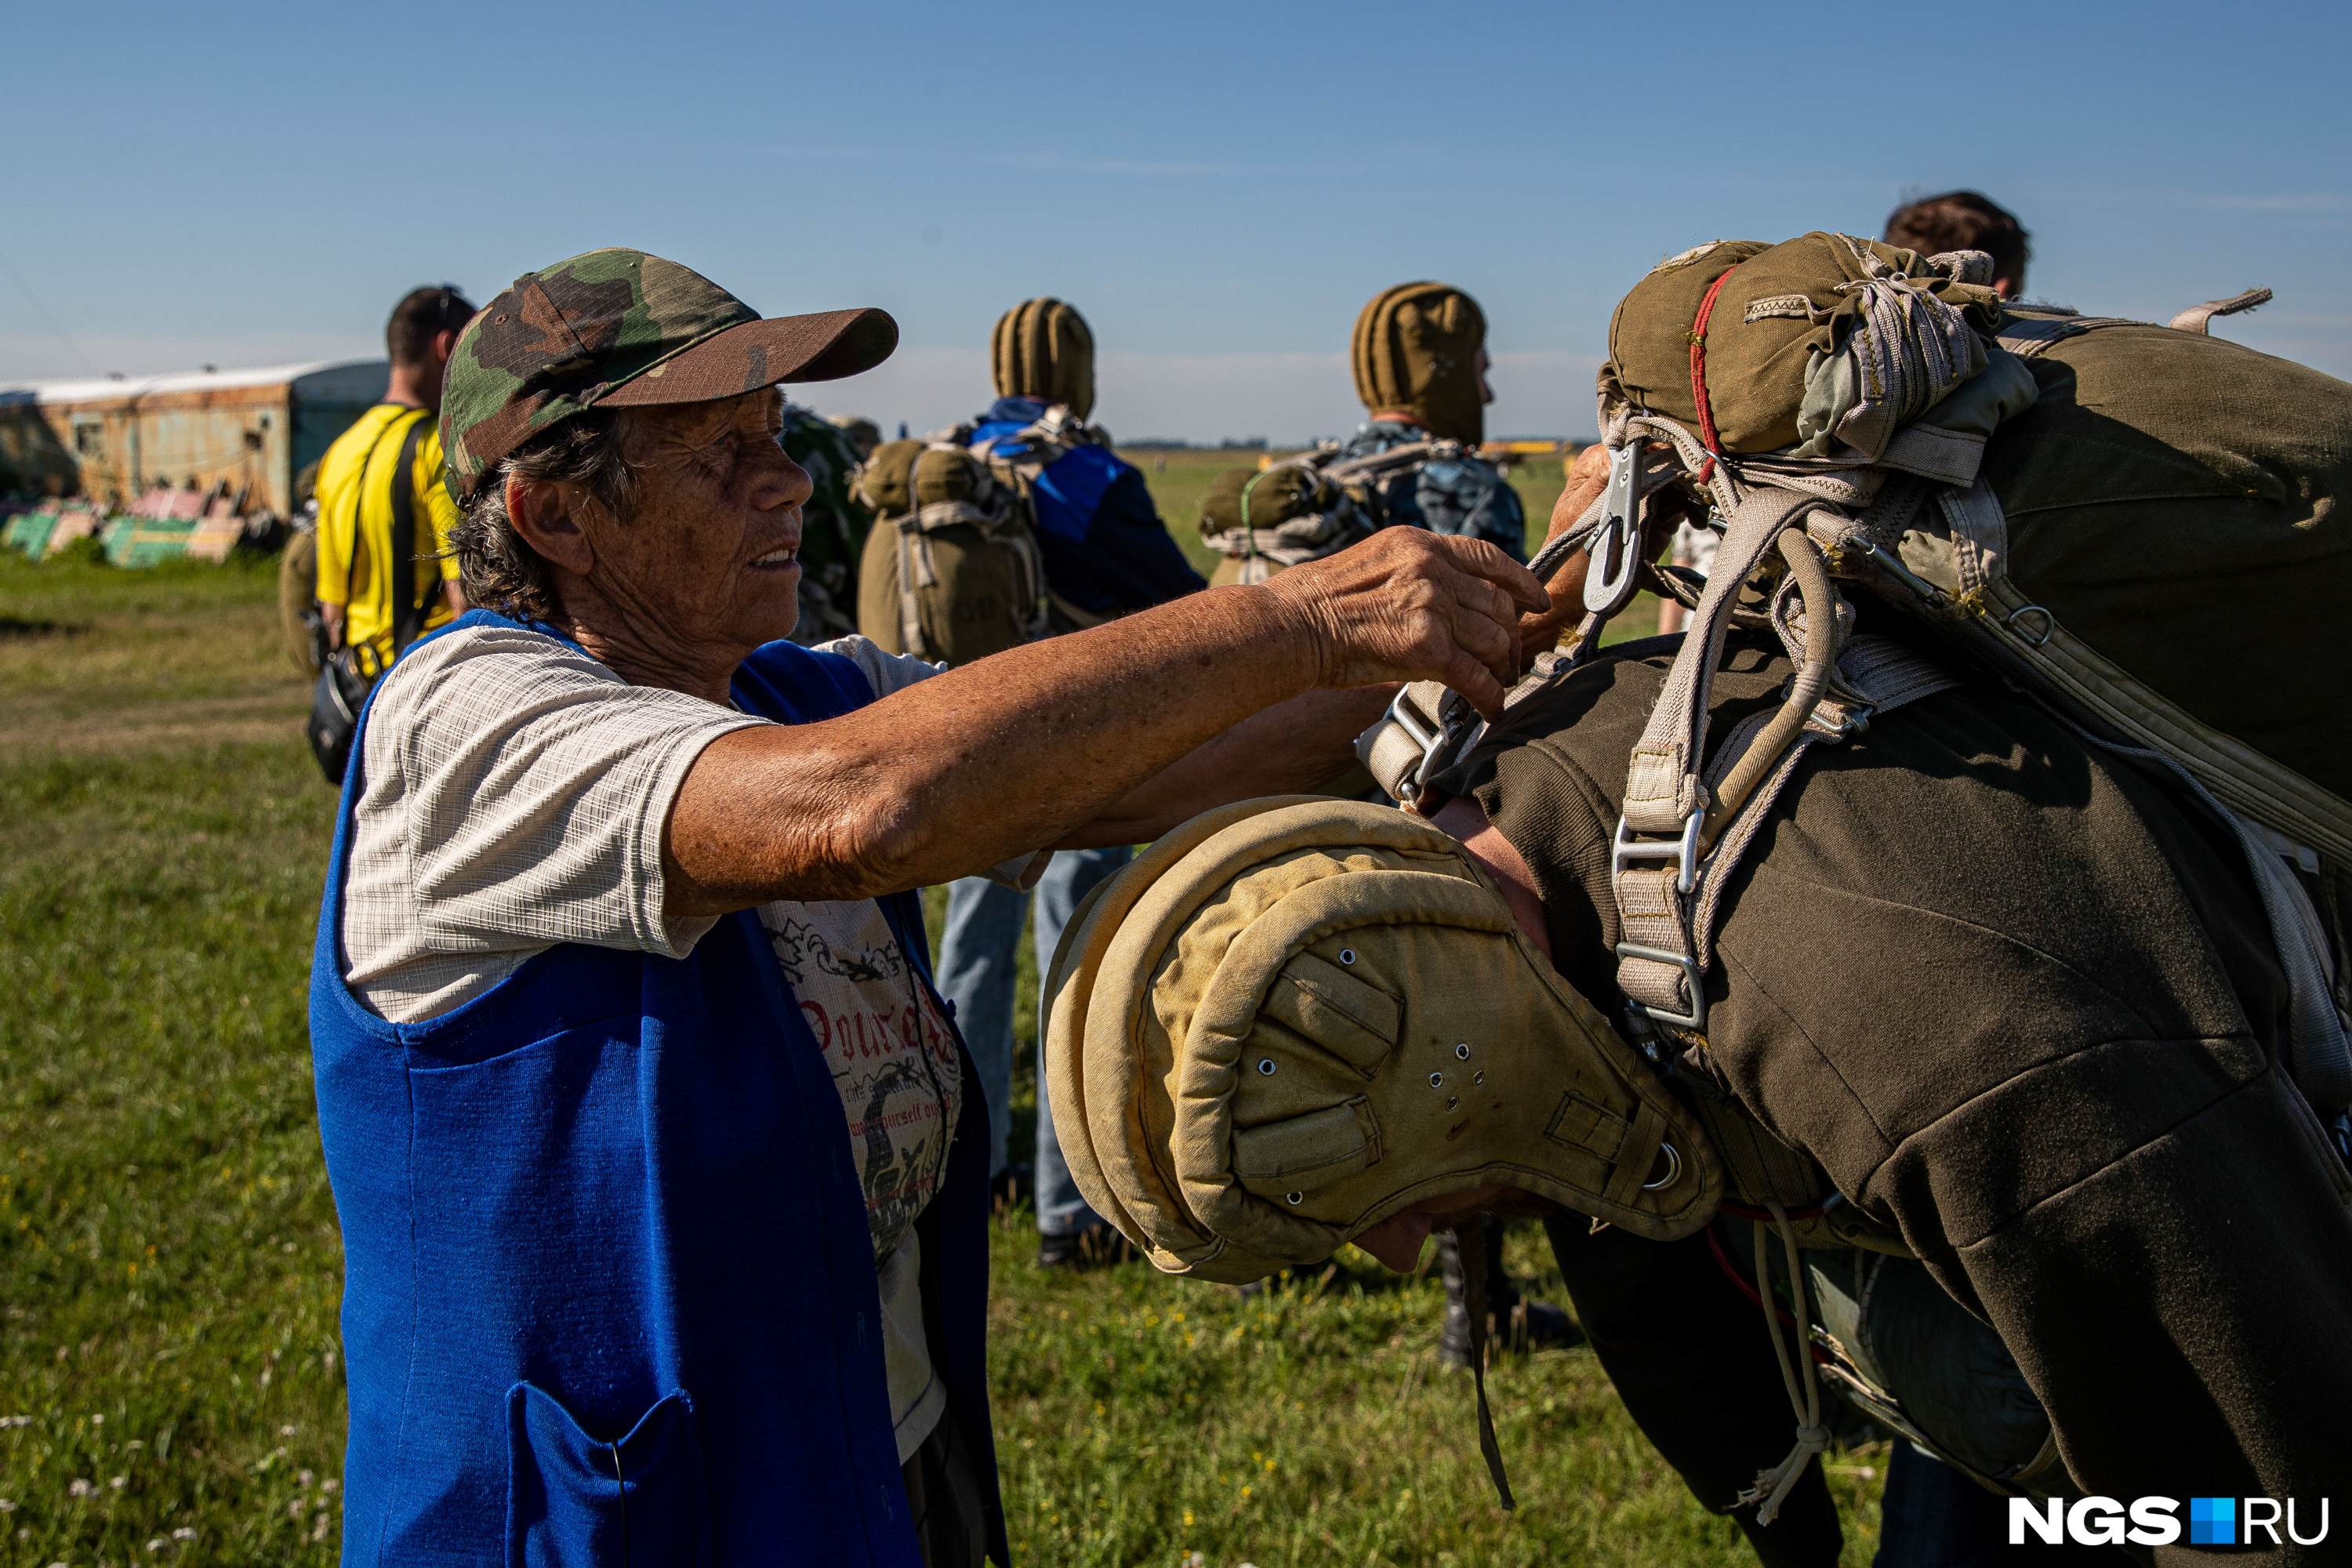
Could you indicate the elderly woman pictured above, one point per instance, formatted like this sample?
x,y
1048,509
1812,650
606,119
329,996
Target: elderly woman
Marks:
x,y
660,1168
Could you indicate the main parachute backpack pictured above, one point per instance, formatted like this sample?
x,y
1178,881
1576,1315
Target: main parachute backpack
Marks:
x,y
2079,505
951,571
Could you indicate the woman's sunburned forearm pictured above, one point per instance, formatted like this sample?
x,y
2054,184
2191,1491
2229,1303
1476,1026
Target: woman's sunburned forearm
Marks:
x,y
1020,750
1289,749
968,769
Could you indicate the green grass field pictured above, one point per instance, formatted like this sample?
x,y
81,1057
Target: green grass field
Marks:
x,y
170,1383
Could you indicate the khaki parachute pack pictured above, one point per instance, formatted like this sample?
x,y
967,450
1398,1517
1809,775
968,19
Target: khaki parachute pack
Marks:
x,y
951,571
1292,1018
1303,508
2139,525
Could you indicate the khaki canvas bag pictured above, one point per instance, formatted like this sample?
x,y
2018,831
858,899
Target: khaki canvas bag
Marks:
x,y
1303,508
951,571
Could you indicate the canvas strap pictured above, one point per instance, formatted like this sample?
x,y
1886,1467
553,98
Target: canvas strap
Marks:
x,y
1668,902
407,602
1470,1241
2200,317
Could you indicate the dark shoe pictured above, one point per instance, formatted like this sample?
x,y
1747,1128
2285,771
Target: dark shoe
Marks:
x,y
1085,1249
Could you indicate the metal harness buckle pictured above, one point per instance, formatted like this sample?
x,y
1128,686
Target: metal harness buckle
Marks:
x,y
1683,849
1611,580
1695,1019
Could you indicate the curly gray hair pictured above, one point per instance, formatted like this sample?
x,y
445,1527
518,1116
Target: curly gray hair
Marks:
x,y
500,570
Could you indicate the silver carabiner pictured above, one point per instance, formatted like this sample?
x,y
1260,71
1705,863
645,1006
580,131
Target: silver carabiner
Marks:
x,y
1615,547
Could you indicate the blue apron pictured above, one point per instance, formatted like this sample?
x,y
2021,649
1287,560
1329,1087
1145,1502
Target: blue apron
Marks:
x,y
609,1290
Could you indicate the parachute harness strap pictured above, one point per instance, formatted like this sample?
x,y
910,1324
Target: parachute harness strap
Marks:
x,y
1772,1487
1470,1241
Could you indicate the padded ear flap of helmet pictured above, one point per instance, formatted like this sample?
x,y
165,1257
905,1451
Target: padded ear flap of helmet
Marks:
x,y
1069,985
1293,1020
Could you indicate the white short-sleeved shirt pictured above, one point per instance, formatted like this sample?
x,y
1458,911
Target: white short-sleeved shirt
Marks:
x,y
515,796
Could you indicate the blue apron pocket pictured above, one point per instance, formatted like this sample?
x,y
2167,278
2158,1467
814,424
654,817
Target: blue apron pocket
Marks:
x,y
575,1502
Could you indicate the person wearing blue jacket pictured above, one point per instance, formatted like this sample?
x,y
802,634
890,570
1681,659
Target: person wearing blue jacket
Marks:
x,y
659,1162
1107,553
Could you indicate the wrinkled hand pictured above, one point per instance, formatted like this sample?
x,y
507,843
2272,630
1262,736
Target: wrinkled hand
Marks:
x,y
1408,604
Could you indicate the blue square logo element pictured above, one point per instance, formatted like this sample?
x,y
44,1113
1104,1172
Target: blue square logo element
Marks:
x,y
2212,1522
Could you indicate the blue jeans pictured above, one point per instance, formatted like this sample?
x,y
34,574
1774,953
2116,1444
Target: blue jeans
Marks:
x,y
975,973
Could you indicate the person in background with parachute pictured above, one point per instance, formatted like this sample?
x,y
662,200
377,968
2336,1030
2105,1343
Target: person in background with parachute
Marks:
x,y
1937,953
1418,354
1057,533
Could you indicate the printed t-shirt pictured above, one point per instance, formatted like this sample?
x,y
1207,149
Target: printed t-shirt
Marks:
x,y
514,796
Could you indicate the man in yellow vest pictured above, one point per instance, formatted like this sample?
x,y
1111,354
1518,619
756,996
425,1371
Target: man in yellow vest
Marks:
x,y
381,501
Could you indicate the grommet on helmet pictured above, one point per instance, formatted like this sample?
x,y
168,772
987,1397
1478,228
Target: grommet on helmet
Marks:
x,y
1293,1018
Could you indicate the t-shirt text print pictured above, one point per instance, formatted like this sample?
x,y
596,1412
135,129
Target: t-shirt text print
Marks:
x,y
892,1055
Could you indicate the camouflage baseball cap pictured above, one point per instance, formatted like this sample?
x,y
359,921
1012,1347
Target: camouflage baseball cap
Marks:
x,y
620,329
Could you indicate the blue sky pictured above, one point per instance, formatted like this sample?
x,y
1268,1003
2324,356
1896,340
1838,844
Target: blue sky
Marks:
x,y
1219,188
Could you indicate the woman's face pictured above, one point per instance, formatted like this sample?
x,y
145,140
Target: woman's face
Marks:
x,y
710,554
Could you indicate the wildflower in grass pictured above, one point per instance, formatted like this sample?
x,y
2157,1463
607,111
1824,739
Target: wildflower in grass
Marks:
x,y
6,1507
157,1544
119,1483
183,1533
80,1488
